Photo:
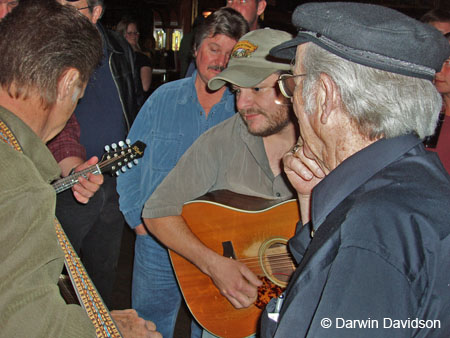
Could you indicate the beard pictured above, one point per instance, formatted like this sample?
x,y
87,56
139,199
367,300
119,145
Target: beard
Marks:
x,y
275,122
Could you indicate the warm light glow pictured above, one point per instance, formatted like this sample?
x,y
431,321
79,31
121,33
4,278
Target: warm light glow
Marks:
x,y
160,38
206,13
176,39
281,103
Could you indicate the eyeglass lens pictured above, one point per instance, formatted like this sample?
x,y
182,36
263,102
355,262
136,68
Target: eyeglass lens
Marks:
x,y
287,85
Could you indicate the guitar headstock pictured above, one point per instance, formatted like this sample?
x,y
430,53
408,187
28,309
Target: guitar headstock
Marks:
x,y
119,157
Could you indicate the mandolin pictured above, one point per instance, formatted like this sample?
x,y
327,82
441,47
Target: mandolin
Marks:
x,y
116,159
252,230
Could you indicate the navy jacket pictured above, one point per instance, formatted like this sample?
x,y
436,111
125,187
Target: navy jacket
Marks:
x,y
379,262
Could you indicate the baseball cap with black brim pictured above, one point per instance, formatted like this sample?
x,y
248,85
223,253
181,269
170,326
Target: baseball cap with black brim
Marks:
x,y
371,35
250,62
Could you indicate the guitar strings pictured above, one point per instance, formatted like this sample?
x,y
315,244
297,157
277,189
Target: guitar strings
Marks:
x,y
281,261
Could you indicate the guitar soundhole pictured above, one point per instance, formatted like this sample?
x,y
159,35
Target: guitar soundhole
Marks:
x,y
276,261
277,265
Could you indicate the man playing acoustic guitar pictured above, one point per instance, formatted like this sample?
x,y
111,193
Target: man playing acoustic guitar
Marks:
x,y
242,154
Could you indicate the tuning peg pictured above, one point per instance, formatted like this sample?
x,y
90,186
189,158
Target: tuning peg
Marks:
x,y
117,172
121,144
127,141
107,148
135,161
123,169
130,165
114,146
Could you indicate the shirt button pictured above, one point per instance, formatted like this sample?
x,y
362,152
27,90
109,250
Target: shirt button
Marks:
x,y
278,194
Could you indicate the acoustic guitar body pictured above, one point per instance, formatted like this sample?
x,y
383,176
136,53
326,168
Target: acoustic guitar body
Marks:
x,y
256,234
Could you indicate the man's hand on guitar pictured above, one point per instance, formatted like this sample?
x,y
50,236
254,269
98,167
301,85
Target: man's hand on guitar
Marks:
x,y
86,188
235,281
132,326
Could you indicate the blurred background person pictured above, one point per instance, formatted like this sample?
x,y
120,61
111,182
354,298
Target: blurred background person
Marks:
x,y
128,28
251,10
440,141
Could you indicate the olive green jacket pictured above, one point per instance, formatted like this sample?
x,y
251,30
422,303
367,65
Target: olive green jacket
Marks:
x,y
30,257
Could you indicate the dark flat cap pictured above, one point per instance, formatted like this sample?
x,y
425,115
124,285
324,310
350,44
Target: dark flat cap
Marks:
x,y
371,35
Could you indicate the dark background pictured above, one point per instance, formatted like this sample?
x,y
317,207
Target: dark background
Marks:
x,y
179,14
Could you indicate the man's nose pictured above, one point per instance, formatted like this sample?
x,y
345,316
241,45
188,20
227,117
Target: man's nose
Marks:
x,y
244,100
222,60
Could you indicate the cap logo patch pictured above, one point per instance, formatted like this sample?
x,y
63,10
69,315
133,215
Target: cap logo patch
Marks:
x,y
243,49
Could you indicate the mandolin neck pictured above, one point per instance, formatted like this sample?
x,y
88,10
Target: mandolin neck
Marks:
x,y
69,181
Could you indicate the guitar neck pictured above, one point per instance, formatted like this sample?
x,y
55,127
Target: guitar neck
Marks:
x,y
69,181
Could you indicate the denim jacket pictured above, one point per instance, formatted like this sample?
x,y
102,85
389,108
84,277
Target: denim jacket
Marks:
x,y
168,123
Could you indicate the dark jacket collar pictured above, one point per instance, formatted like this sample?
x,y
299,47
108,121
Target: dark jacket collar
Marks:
x,y
355,171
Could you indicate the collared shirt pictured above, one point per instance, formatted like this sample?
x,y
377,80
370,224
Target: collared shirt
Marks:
x,y
227,157
389,259
31,258
443,144
168,123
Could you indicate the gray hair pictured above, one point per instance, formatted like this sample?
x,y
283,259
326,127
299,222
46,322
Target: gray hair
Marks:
x,y
33,55
382,104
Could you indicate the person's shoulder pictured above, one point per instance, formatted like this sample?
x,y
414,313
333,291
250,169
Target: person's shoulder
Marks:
x,y
17,168
403,198
223,131
172,86
115,41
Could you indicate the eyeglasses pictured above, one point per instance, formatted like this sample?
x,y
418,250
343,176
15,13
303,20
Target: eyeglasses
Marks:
x,y
79,9
242,2
287,84
10,4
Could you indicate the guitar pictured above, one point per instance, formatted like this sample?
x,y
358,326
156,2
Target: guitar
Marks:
x,y
249,229
113,161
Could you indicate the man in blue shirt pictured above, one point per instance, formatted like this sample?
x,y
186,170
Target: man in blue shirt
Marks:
x,y
374,248
174,116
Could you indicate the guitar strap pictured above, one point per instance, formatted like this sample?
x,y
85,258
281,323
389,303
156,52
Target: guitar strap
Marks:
x,y
87,294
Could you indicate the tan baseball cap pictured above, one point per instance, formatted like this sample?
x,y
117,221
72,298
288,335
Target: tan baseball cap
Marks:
x,y
250,62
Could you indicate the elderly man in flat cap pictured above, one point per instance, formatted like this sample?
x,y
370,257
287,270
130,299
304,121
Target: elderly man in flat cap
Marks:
x,y
374,248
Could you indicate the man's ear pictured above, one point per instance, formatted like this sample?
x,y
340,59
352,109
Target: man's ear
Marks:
x,y
327,98
97,12
261,7
67,83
